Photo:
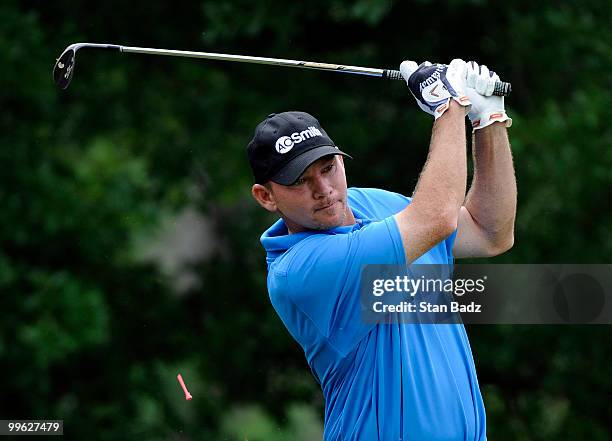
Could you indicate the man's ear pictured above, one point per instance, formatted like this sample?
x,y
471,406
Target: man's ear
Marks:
x,y
264,197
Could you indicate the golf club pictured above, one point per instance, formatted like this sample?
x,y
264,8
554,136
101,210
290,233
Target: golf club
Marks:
x,y
64,66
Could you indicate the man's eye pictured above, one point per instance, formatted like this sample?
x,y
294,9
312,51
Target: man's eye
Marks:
x,y
328,168
298,182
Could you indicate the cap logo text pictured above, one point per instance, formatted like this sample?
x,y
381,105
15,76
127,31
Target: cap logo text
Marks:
x,y
286,143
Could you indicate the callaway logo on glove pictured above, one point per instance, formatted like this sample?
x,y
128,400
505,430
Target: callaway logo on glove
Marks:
x,y
433,85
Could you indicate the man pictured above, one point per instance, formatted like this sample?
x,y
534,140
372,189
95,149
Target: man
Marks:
x,y
386,381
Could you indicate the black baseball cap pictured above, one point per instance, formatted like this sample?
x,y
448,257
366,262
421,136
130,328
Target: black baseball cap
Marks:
x,y
285,144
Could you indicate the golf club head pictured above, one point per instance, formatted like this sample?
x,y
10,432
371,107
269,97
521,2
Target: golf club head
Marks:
x,y
64,66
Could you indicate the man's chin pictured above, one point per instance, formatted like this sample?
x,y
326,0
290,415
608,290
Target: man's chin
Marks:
x,y
337,220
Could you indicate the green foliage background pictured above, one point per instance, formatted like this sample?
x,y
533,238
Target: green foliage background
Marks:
x,y
94,334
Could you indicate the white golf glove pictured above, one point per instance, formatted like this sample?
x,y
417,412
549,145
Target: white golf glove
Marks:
x,y
433,85
486,107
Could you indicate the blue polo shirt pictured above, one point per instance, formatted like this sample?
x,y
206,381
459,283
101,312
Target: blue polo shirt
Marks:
x,y
387,382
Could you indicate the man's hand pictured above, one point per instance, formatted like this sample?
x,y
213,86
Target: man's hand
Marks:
x,y
486,107
433,85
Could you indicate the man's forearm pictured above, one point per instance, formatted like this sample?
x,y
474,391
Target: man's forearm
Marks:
x,y
491,200
434,211
442,183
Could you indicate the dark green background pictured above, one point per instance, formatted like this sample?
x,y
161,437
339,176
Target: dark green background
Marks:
x,y
93,330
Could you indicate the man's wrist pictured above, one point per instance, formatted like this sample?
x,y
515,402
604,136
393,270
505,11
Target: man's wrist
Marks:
x,y
493,136
454,110
494,127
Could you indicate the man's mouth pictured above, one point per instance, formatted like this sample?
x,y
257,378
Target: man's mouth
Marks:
x,y
326,206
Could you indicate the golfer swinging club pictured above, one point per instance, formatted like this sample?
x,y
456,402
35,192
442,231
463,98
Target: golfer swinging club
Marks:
x,y
388,382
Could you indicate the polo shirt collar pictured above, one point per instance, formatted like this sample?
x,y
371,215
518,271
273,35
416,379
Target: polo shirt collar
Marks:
x,y
276,240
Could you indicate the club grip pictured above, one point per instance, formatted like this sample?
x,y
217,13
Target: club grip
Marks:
x,y
501,87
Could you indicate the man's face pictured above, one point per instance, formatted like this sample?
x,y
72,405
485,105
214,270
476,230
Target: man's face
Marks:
x,y
316,201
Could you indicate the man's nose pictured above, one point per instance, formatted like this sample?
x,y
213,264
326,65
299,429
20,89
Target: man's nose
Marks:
x,y
320,187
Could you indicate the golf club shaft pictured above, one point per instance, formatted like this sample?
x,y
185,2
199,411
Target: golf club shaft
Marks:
x,y
261,60
65,64
501,88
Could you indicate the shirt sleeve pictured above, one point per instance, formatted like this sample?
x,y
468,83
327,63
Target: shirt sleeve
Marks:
x,y
322,283
449,242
